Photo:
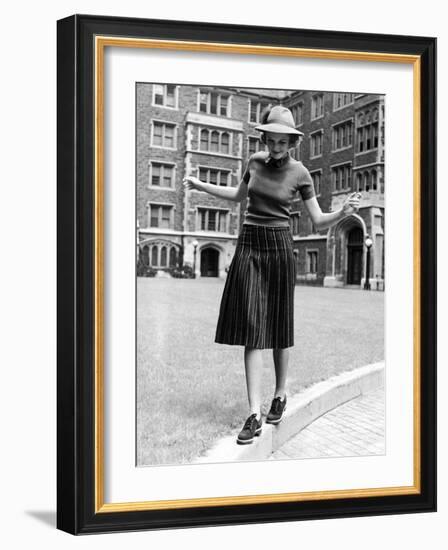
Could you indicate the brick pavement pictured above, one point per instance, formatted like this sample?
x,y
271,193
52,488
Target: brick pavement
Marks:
x,y
356,428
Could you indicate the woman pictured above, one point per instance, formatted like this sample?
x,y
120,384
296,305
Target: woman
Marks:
x,y
257,307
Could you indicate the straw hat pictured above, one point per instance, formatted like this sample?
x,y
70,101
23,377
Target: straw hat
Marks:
x,y
280,121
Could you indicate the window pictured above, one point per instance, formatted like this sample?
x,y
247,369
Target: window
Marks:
x,y
341,100
212,220
165,95
145,255
297,113
342,135
215,142
311,261
342,177
317,180
161,175
225,139
214,176
368,181
317,106
214,103
253,145
295,222
161,215
256,109
316,144
374,181
296,152
164,135
367,131
163,255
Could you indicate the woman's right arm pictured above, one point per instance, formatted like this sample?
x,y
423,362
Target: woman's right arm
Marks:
x,y
236,194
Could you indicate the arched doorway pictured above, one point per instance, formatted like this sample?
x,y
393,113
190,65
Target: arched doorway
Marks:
x,y
354,256
209,262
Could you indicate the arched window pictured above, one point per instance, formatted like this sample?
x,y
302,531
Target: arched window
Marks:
x,y
173,257
145,255
163,256
366,181
204,140
154,258
367,138
215,142
375,135
374,180
359,186
225,143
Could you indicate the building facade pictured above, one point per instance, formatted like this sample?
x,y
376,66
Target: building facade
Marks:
x,y
210,133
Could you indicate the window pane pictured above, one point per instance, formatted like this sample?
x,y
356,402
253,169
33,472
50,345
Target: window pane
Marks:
x,y
154,252
224,105
214,177
212,220
203,174
154,216
253,111
214,104
166,215
157,135
173,257
224,178
225,143
169,136
170,95
215,142
204,140
167,176
155,174
158,94
202,219
203,102
253,145
163,256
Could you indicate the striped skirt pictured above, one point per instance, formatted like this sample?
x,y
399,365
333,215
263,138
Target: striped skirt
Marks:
x,y
257,306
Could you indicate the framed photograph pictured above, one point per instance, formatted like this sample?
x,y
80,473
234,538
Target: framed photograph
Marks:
x,y
246,274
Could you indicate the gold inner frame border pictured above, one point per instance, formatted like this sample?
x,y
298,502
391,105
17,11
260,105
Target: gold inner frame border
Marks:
x,y
101,42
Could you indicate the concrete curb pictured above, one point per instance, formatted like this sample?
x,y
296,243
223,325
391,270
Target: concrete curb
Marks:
x,y
302,409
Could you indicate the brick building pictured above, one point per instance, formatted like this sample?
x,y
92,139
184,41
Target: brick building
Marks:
x,y
209,133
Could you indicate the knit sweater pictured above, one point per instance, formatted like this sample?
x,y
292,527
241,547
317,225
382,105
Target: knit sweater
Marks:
x,y
272,186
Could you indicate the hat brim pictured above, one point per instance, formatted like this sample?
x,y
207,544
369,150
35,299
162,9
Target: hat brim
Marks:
x,y
278,129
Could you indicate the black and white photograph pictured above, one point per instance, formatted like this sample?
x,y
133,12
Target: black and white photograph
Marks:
x,y
259,274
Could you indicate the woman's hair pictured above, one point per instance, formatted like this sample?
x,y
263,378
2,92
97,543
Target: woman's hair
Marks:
x,y
293,138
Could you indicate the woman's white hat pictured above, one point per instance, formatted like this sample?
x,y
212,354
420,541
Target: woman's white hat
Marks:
x,y
280,121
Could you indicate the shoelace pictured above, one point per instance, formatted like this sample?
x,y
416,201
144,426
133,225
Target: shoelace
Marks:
x,y
276,405
252,418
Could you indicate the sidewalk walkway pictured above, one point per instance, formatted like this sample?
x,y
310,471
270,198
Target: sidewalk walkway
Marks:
x,y
353,429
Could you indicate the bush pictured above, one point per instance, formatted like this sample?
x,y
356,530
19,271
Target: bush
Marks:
x,y
145,270
185,272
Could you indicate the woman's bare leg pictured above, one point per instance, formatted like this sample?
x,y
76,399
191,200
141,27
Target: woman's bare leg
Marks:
x,y
253,364
281,361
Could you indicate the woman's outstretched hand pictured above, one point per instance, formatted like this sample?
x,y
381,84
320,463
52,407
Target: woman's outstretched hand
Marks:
x,y
190,182
351,203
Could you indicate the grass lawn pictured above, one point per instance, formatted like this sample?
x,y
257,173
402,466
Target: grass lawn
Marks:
x,y
191,391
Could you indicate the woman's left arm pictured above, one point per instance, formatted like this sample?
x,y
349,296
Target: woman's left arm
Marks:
x,y
323,221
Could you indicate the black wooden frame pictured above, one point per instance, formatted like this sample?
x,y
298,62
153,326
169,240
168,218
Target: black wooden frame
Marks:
x,y
76,262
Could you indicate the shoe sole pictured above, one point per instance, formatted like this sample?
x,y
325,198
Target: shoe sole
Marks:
x,y
247,441
278,420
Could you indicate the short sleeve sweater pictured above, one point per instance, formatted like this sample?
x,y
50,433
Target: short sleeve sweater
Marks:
x,y
272,186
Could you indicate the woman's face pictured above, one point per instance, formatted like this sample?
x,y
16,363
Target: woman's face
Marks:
x,y
278,144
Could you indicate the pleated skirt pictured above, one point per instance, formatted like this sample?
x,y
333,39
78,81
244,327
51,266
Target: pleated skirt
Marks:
x,y
257,305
